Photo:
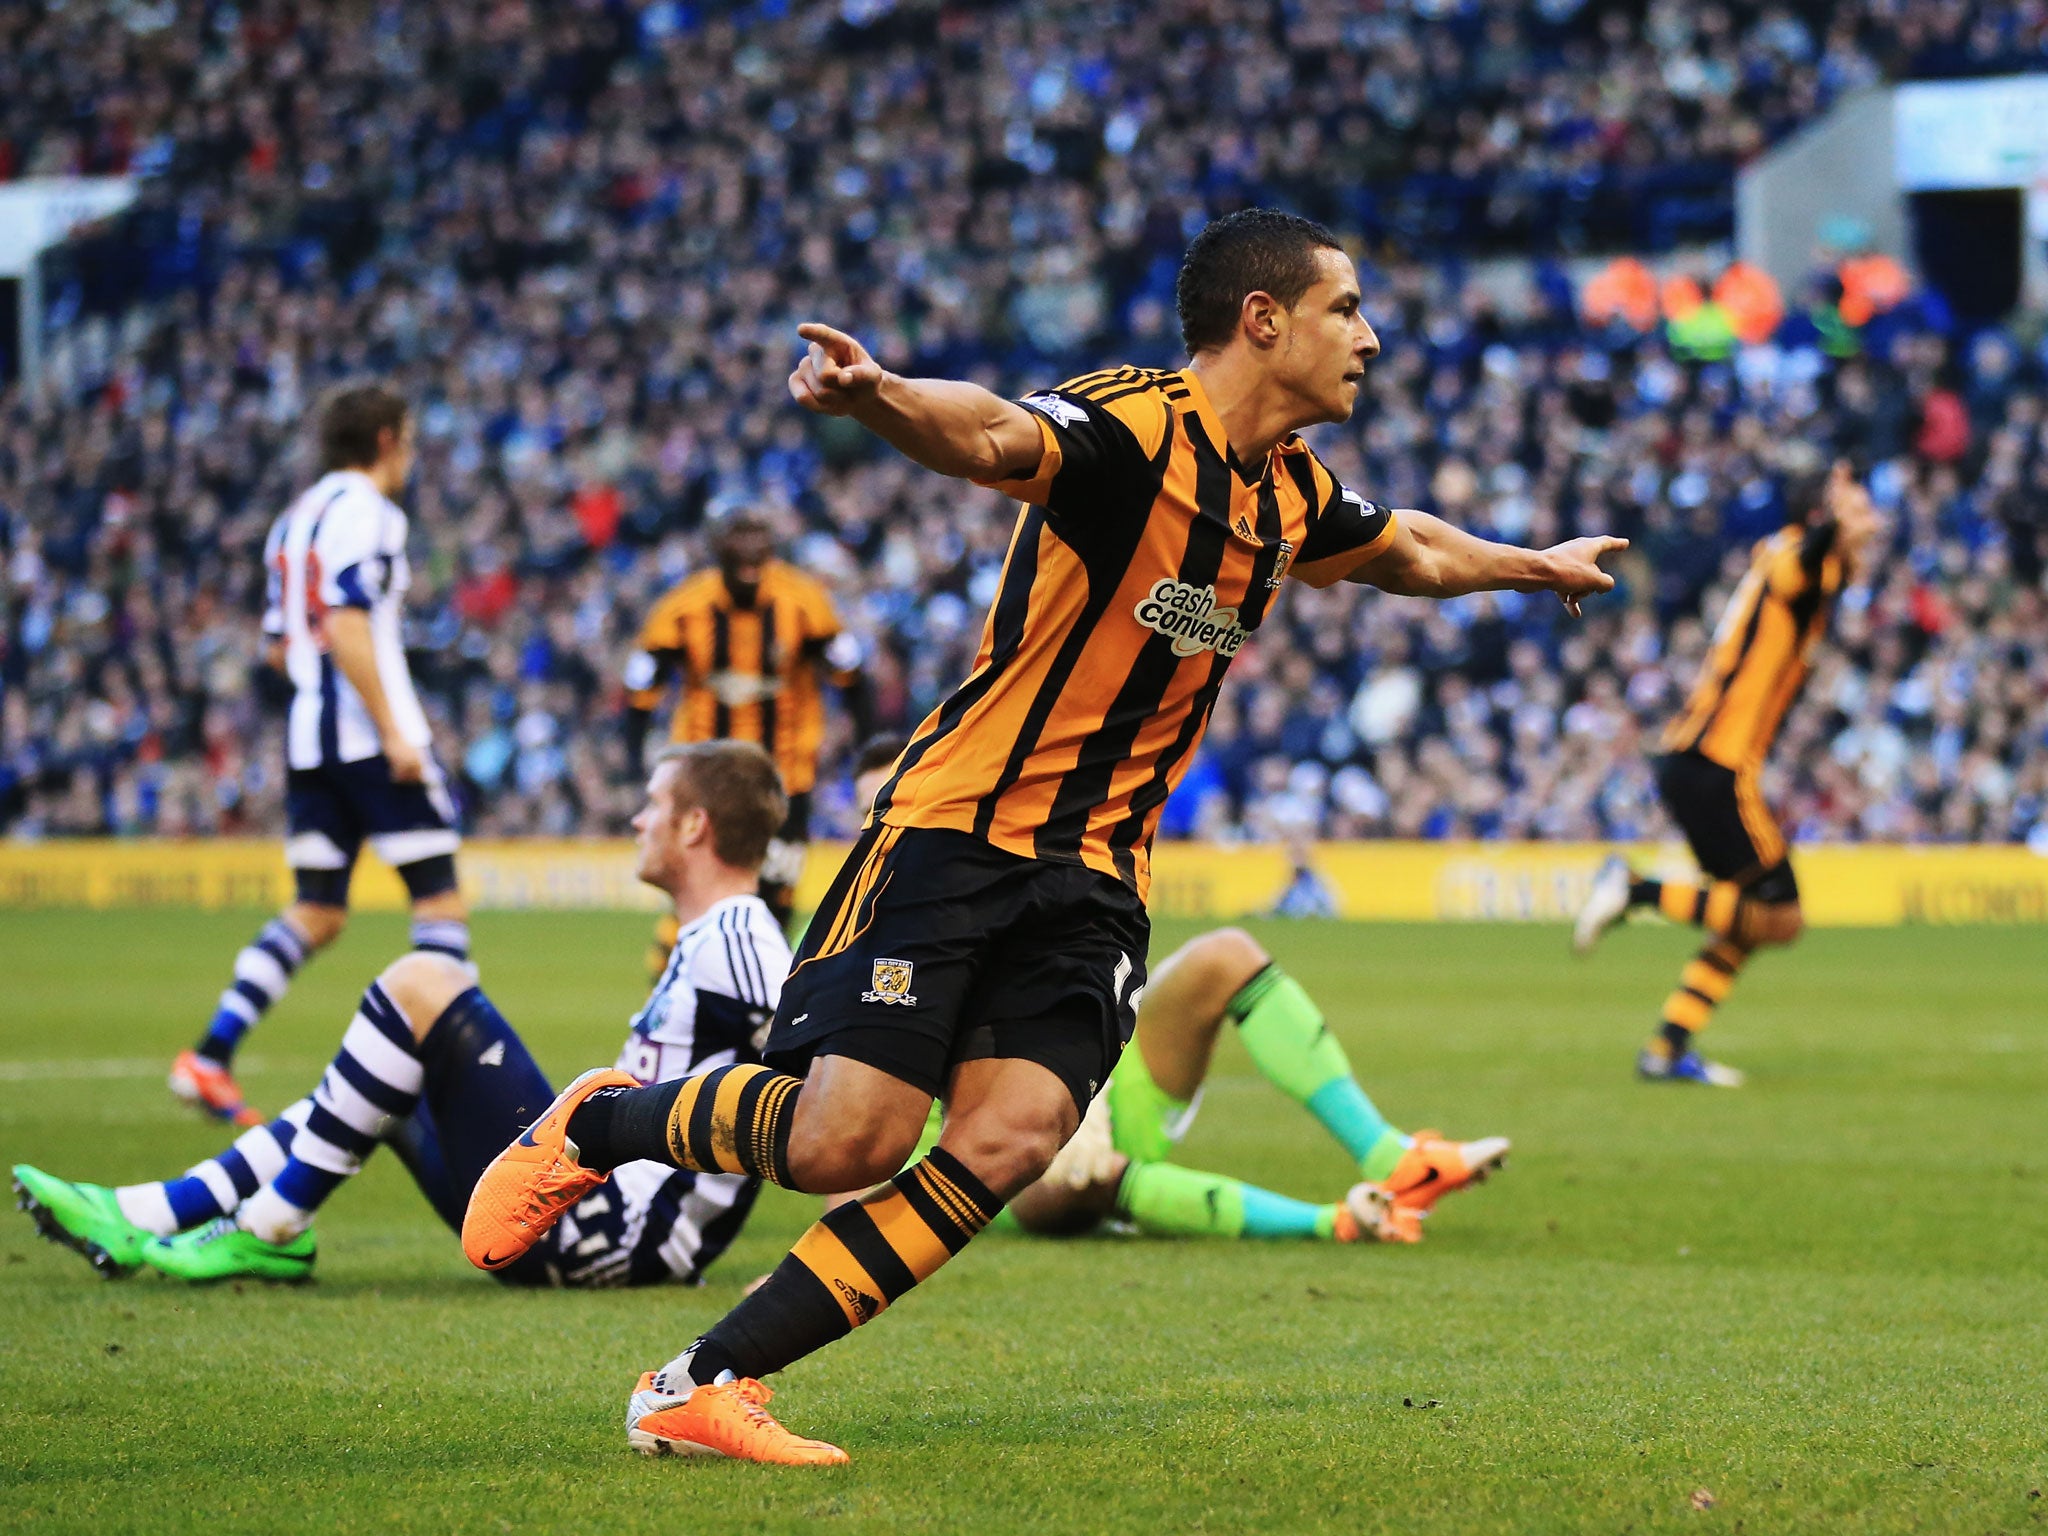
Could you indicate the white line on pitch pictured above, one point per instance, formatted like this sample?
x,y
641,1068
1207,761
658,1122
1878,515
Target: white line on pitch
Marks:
x,y
88,1068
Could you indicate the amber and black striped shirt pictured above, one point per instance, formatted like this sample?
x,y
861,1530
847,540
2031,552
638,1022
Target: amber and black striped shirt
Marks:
x,y
1762,650
753,672
1143,558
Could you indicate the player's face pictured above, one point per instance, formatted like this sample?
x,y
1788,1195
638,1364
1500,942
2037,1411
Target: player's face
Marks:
x,y
743,555
1328,342
394,466
1858,528
662,828
867,786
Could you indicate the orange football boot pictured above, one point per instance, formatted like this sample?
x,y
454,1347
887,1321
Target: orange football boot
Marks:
x,y
208,1085
1369,1215
726,1419
1434,1166
529,1184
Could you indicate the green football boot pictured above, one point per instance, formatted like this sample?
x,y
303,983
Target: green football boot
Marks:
x,y
83,1217
220,1250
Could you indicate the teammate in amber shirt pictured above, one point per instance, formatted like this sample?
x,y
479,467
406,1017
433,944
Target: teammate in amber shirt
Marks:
x,y
1711,770
752,644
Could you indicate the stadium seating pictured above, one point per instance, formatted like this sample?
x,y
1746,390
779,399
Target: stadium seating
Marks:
x,y
582,247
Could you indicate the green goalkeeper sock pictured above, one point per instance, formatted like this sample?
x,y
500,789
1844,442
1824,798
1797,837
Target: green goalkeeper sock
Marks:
x,y
1167,1199
1294,1050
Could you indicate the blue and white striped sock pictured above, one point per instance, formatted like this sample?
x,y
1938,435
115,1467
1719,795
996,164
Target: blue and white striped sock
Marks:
x,y
443,935
218,1185
375,1078
263,974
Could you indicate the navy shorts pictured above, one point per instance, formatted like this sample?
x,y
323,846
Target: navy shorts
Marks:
x,y
331,811
483,1088
935,947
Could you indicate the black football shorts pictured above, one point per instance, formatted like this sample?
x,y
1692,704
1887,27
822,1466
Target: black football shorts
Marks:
x,y
935,947
1723,816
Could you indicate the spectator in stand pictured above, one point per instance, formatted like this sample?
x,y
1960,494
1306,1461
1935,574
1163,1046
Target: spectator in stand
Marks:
x,y
581,240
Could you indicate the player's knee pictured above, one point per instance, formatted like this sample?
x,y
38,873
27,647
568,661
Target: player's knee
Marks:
x,y
422,983
1205,973
1233,956
1007,1151
834,1154
1790,923
319,921
1767,924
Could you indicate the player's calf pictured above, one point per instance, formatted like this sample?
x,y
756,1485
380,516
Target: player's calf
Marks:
x,y
374,1081
732,1119
852,1127
845,1271
846,1126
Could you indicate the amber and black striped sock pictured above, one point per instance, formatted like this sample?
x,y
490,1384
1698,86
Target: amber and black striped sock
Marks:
x,y
729,1120
1714,907
1702,986
847,1269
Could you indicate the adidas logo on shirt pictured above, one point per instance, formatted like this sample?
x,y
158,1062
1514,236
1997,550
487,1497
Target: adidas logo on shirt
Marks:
x,y
493,1056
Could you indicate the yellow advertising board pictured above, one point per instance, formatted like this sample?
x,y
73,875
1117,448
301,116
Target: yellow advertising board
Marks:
x,y
1860,885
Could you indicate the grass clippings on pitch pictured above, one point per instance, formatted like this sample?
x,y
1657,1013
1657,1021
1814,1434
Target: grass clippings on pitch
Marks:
x,y
1815,1304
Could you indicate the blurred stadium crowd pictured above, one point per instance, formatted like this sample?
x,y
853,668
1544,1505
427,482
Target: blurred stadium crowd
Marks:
x,y
579,237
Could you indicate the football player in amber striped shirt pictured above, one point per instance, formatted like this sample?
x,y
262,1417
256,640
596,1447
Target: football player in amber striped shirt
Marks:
x,y
985,941
1709,775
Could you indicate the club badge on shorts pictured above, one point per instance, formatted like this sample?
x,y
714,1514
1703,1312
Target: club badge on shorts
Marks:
x,y
891,984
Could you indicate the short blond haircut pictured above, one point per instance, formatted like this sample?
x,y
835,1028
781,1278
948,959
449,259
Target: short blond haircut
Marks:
x,y
738,787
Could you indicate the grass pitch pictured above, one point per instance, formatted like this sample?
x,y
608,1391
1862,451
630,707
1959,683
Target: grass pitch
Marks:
x,y
1817,1301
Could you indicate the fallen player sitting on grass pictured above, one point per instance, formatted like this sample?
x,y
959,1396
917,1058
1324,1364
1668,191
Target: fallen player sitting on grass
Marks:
x,y
430,1067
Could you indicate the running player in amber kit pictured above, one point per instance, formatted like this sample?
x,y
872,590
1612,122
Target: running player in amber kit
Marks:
x,y
985,941
753,642
1713,757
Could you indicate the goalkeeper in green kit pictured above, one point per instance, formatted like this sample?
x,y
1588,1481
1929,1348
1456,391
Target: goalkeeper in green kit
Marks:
x,y
1119,1163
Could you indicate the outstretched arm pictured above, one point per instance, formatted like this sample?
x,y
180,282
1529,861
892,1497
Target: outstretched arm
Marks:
x,y
955,428
1427,557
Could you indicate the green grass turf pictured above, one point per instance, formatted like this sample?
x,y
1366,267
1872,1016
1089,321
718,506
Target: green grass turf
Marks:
x,y
1820,1298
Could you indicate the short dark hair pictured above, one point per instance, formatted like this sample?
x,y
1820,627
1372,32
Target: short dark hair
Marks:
x,y
878,752
1805,493
743,523
1257,250
739,789
352,420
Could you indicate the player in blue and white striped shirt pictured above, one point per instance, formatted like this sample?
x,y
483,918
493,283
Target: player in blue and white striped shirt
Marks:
x,y
429,1066
359,753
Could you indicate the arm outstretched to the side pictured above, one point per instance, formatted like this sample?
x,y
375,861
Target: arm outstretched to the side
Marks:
x,y
954,428
1427,557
